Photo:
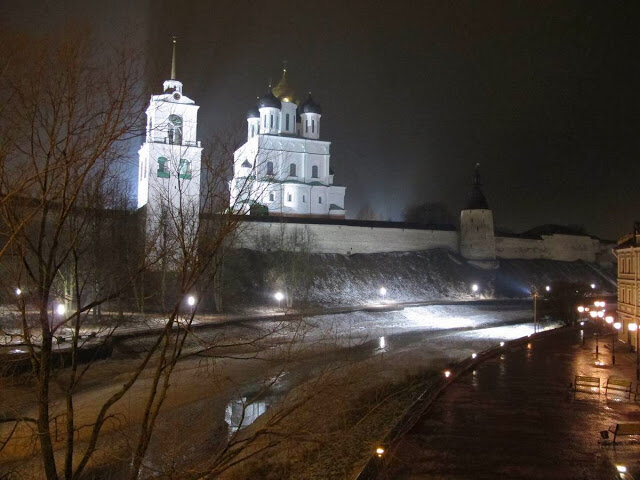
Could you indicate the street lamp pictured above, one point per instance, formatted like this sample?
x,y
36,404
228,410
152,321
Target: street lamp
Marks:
x,y
383,292
616,327
18,292
547,288
475,288
593,286
279,296
61,309
633,327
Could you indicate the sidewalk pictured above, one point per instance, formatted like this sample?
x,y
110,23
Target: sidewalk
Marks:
x,y
516,417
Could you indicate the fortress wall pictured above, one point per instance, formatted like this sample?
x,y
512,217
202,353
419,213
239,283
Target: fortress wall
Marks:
x,y
348,239
351,239
522,248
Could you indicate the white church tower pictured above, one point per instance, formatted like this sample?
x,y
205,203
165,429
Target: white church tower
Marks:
x,y
284,167
169,160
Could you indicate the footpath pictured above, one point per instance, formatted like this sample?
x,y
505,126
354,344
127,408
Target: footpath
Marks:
x,y
516,417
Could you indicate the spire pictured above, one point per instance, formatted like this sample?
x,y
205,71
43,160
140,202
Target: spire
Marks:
x,y
476,178
283,90
476,199
173,59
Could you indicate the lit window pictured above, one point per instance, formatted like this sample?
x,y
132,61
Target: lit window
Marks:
x,y
292,170
314,171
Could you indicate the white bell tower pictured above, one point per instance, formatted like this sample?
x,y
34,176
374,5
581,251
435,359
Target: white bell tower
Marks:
x,y
169,160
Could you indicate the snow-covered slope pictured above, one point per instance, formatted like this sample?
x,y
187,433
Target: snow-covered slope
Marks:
x,y
252,277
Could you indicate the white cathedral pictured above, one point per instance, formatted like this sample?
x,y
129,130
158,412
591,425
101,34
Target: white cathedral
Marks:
x,y
284,168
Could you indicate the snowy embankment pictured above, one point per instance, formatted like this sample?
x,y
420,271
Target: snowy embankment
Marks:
x,y
252,277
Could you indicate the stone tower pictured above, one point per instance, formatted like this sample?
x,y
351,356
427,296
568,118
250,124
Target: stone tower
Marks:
x,y
477,240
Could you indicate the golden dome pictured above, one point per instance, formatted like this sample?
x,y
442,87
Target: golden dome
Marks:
x,y
283,90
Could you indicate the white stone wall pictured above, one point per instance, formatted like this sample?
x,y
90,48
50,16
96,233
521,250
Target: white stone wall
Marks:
x,y
348,239
566,248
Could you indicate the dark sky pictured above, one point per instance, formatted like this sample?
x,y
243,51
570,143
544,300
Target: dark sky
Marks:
x,y
544,94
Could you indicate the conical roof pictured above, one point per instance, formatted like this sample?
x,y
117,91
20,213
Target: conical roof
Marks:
x,y
476,199
283,90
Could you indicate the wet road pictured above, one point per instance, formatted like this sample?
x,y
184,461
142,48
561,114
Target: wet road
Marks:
x,y
515,417
208,393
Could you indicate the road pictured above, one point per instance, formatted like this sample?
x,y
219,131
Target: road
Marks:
x,y
236,372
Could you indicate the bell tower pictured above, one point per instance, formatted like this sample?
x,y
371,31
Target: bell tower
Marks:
x,y
170,160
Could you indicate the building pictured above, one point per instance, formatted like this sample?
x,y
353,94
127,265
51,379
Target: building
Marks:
x,y
284,167
169,162
628,253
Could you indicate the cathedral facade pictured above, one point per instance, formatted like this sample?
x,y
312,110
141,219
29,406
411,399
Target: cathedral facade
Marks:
x,y
284,168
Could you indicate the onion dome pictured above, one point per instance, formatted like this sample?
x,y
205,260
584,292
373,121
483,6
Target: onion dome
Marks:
x,y
268,100
309,106
283,90
253,113
476,199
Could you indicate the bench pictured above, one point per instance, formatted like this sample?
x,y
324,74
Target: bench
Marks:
x,y
618,385
620,429
583,383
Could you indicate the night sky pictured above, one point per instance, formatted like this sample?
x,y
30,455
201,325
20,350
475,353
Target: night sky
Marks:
x,y
544,94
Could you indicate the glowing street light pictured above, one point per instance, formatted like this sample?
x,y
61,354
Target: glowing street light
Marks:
x,y
18,292
474,355
608,319
383,292
632,327
61,309
614,337
279,296
593,314
593,286
380,452
447,373
547,288
475,288
191,300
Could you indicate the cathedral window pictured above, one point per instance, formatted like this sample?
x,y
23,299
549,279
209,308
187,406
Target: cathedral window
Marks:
x,y
269,168
163,172
271,124
292,170
306,127
264,121
319,199
313,126
185,169
271,197
289,198
175,129
304,199
253,131
287,122
314,171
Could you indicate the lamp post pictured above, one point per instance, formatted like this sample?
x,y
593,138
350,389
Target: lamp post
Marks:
x,y
616,327
191,301
535,309
633,327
